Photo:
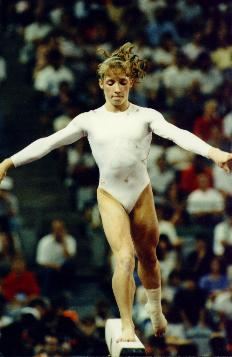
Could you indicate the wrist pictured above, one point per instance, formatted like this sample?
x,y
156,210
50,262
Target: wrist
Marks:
x,y
8,163
214,154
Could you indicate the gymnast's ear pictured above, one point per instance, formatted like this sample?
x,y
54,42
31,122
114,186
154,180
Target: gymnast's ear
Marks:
x,y
100,82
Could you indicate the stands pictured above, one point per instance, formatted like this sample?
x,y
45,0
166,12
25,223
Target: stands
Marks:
x,y
188,48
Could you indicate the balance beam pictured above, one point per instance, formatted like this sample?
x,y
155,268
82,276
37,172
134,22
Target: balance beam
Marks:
x,y
113,330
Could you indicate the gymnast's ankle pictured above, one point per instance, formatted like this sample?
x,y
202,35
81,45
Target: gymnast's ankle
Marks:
x,y
154,300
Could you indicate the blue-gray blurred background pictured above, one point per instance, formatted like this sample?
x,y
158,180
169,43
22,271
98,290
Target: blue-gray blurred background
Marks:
x,y
58,304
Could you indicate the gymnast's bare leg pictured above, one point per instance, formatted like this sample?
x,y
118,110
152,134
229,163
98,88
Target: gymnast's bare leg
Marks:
x,y
145,235
116,225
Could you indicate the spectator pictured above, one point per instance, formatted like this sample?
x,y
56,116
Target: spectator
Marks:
x,y
164,55
178,77
174,199
149,7
187,107
178,158
210,78
5,319
49,78
198,261
9,219
47,44
208,119
205,204
222,304
81,173
54,256
189,176
20,284
222,55
194,48
161,175
222,243
167,257
21,336
38,29
218,346
7,253
199,334
166,226
189,300
102,308
227,125
189,12
162,24
216,280
89,340
204,74
172,286
140,314
222,182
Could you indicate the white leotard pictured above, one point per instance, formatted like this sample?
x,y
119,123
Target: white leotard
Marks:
x,y
120,144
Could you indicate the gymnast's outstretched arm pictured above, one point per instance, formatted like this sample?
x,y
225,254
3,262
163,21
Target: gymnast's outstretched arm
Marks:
x,y
41,147
190,142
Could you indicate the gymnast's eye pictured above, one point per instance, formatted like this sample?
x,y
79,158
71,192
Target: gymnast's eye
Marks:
x,y
123,82
110,82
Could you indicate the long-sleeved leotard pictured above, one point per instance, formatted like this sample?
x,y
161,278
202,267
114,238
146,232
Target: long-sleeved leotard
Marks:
x,y
120,144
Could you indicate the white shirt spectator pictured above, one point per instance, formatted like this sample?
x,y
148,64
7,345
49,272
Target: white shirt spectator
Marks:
x,y
223,304
36,31
149,6
222,233
61,122
163,57
49,79
227,125
178,80
160,179
55,14
167,265
74,157
208,201
151,81
209,81
143,51
155,152
168,228
179,158
192,51
49,251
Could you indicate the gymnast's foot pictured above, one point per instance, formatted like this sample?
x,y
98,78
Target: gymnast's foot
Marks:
x,y
128,333
158,320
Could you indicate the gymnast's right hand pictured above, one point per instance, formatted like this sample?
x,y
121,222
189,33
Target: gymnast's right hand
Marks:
x,y
4,166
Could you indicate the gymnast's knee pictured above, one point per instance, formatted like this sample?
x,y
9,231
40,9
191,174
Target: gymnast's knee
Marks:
x,y
148,258
125,261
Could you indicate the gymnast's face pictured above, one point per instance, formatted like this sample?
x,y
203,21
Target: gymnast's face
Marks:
x,y
116,86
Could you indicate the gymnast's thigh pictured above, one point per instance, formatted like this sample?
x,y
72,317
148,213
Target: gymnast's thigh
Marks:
x,y
144,222
116,223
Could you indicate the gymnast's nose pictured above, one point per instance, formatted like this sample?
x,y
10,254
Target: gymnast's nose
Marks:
x,y
117,87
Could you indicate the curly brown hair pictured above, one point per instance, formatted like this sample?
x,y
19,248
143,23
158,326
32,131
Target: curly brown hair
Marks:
x,y
125,59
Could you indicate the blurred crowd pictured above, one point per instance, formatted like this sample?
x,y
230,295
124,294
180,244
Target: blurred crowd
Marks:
x,y
188,48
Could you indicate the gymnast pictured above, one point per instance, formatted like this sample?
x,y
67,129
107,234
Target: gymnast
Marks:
x,y
119,134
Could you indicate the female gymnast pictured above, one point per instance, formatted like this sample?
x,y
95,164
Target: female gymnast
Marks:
x,y
119,134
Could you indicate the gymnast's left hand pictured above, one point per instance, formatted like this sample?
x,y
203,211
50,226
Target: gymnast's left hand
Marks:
x,y
222,158
4,166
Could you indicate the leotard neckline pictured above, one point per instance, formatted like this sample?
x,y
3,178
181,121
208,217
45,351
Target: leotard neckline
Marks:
x,y
119,112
